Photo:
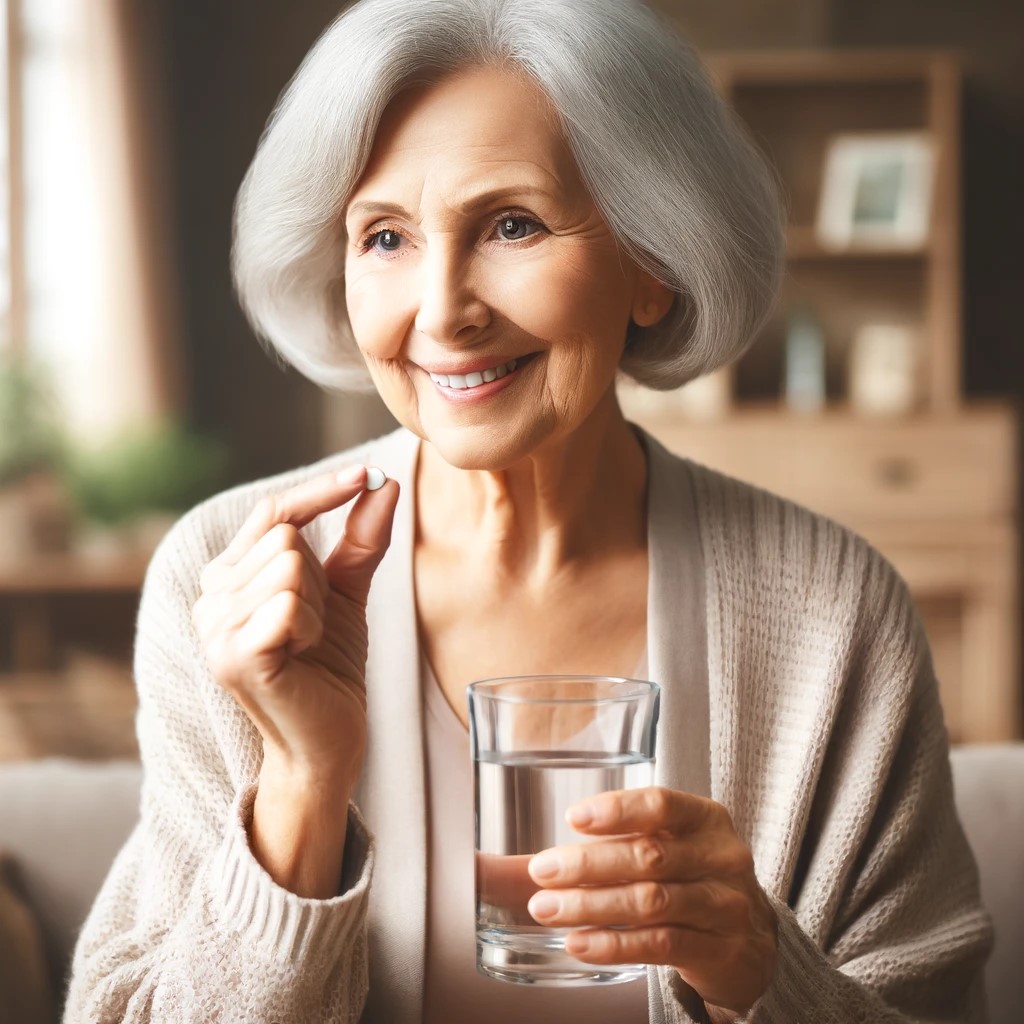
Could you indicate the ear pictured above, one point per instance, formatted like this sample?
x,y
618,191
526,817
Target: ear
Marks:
x,y
651,300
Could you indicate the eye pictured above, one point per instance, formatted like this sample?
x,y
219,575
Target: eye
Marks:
x,y
389,241
515,227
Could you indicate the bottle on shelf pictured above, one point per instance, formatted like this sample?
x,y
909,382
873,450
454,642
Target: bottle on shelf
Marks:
x,y
804,388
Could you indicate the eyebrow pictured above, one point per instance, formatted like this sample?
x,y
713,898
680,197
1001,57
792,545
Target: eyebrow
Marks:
x,y
378,208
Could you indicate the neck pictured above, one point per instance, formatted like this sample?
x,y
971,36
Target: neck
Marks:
x,y
570,502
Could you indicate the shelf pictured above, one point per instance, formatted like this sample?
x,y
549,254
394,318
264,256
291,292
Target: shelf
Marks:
x,y
793,105
69,573
802,245
916,472
992,413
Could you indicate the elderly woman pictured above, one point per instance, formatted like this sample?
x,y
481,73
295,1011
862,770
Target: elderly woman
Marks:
x,y
495,207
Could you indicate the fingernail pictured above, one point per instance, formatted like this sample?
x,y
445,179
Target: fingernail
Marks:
x,y
545,904
375,478
580,816
577,942
545,865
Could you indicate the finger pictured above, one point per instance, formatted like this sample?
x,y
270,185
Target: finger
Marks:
x,y
663,944
283,620
724,970
703,906
650,809
503,881
288,571
279,539
626,859
298,506
367,535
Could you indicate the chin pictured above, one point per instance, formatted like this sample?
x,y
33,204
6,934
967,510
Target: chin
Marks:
x,y
484,447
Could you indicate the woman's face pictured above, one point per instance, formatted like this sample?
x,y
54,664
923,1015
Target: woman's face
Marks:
x,y
473,243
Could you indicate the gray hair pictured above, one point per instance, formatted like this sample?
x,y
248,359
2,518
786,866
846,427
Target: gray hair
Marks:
x,y
669,165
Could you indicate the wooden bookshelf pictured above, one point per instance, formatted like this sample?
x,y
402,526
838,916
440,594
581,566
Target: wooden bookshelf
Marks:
x,y
935,489
793,104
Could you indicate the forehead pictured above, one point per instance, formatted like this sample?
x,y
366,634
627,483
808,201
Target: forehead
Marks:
x,y
473,123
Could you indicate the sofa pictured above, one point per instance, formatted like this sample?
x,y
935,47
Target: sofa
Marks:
x,y
62,822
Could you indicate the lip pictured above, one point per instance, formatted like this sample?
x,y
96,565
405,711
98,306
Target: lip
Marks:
x,y
462,396
477,366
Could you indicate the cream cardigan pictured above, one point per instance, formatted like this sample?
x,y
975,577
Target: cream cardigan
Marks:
x,y
820,731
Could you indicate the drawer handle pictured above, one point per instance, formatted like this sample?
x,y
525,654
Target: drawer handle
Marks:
x,y
897,472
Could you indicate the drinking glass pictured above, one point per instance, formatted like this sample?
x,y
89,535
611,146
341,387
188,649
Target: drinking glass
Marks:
x,y
540,744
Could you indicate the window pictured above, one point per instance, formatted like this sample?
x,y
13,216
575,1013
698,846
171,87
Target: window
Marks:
x,y
46,188
10,236
85,288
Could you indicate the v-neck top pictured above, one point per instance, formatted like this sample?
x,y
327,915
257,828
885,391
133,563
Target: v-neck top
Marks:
x,y
394,789
453,988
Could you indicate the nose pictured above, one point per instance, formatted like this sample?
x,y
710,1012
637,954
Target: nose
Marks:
x,y
450,307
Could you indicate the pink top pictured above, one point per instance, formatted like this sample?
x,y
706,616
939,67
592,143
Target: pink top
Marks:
x,y
453,989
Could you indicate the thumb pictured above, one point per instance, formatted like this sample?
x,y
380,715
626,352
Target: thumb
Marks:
x,y
349,568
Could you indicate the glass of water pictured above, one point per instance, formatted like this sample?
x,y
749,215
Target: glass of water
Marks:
x,y
541,744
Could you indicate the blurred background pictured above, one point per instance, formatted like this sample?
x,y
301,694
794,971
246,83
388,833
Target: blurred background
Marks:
x,y
883,392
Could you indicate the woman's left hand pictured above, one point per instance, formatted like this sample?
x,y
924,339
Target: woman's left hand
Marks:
x,y
677,884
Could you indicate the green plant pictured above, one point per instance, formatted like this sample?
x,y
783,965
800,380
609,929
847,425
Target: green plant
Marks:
x,y
31,437
158,467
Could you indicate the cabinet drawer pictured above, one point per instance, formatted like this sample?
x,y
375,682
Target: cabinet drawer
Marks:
x,y
926,469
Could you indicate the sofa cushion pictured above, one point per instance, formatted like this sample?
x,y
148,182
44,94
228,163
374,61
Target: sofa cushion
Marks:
x,y
989,785
63,821
24,975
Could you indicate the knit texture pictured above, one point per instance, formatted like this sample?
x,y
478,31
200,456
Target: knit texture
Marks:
x,y
827,747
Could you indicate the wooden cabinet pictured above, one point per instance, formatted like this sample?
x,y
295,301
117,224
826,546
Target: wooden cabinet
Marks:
x,y
936,495
936,488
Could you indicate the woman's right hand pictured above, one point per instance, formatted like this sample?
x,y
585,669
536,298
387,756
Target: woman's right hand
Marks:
x,y
287,636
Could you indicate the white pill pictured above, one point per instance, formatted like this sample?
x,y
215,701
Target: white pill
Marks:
x,y
375,478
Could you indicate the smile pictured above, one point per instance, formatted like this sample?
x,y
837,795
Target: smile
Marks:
x,y
460,382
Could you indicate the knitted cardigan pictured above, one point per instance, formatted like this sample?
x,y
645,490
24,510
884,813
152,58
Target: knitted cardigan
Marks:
x,y
820,731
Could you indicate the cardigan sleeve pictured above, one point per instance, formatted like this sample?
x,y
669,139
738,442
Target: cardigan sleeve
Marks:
x,y
910,937
900,932
187,926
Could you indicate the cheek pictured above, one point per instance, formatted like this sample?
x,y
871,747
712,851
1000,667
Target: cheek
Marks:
x,y
581,308
575,299
579,372
379,322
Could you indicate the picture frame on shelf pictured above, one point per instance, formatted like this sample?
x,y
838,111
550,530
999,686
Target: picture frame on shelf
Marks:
x,y
877,191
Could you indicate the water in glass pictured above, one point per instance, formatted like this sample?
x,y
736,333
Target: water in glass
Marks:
x,y
522,798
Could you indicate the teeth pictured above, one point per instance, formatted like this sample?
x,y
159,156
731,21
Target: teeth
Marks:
x,y
460,382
